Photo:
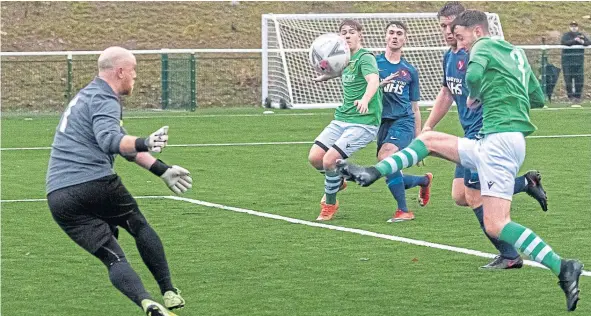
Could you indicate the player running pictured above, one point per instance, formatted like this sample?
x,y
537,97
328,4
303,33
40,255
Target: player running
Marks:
x,y
500,80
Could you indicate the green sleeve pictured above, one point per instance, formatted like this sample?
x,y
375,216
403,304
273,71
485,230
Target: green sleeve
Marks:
x,y
536,95
368,64
474,75
480,53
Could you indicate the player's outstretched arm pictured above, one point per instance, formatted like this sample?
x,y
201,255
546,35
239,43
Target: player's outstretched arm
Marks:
x,y
177,179
130,145
112,139
443,103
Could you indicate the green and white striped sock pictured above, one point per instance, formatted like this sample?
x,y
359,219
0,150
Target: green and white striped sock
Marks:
x,y
530,244
405,158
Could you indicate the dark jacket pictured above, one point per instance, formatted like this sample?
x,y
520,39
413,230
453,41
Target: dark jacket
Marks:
x,y
574,55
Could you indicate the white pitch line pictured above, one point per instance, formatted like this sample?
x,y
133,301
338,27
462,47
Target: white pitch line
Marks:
x,y
355,231
43,200
281,143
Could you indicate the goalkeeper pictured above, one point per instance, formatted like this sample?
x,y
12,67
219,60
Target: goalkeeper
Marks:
x,y
86,197
355,121
500,76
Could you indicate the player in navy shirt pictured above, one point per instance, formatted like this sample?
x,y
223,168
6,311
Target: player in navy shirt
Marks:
x,y
466,187
401,118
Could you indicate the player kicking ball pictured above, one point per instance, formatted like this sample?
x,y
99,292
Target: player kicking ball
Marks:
x,y
355,122
401,118
500,80
466,187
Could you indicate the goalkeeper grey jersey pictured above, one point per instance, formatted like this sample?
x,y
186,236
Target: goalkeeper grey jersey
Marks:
x,y
87,138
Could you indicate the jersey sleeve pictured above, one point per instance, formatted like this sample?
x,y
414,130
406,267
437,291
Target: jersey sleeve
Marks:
x,y
368,64
105,123
480,53
414,90
445,58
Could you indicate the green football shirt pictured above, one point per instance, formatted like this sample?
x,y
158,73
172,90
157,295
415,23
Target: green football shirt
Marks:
x,y
505,86
362,64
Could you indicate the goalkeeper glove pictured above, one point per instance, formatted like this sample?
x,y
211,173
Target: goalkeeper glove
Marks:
x,y
154,143
177,179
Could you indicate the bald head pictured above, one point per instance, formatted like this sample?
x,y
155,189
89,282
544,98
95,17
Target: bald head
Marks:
x,y
114,57
117,67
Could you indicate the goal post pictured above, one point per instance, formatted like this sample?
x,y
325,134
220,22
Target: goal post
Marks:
x,y
287,73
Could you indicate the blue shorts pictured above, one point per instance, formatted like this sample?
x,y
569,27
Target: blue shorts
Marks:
x,y
470,177
399,132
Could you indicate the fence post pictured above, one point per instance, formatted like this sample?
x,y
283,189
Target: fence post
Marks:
x,y
544,62
164,80
193,82
69,83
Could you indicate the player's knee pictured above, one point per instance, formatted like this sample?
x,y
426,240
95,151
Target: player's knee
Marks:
x,y
473,199
315,160
387,151
135,223
459,197
329,161
110,253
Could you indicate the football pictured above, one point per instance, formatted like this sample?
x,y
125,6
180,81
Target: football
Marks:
x,y
329,54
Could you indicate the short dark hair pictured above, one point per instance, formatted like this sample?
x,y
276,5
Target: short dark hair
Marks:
x,y
451,8
352,23
398,24
471,18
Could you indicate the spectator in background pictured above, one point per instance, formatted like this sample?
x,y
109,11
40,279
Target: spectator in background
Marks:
x,y
573,61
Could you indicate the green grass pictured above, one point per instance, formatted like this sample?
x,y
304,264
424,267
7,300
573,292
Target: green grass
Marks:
x,y
228,263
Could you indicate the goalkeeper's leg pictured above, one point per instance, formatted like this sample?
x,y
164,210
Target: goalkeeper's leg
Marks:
x,y
152,252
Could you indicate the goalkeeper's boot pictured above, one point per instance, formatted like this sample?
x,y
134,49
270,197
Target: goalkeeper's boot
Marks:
x,y
364,176
401,216
342,187
535,188
152,308
327,211
425,191
173,299
568,279
500,263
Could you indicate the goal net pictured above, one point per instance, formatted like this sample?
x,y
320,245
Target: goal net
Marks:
x,y
287,72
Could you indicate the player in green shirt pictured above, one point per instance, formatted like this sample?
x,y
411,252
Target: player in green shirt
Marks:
x,y
355,122
500,77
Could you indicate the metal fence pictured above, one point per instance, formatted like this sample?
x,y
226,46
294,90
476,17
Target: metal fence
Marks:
x,y
188,79
164,80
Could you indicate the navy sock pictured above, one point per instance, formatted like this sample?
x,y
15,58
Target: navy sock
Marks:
x,y
520,185
505,249
396,185
413,181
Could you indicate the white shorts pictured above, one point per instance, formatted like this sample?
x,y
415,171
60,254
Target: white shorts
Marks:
x,y
346,138
497,158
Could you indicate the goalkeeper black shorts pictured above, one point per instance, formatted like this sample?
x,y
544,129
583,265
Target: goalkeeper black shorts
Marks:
x,y
89,212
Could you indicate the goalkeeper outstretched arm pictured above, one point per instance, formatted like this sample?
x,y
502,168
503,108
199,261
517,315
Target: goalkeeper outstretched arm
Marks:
x,y
177,179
